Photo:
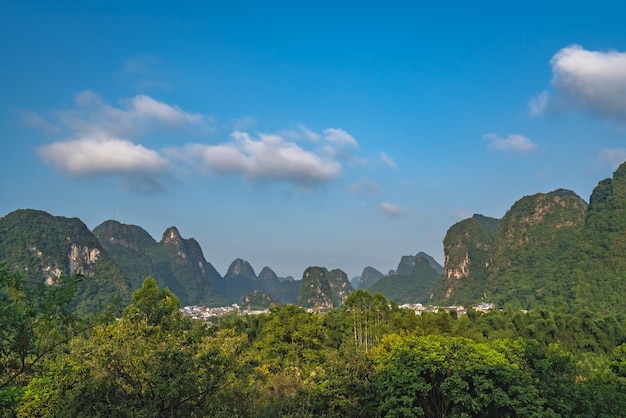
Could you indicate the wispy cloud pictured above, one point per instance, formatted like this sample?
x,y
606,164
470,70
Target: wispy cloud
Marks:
x,y
33,120
514,143
391,210
538,105
363,187
388,161
612,157
591,81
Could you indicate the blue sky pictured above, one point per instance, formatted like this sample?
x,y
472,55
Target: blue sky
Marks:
x,y
339,134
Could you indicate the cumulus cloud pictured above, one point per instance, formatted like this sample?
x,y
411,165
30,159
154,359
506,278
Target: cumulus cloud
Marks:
x,y
391,210
513,143
91,156
612,157
99,139
591,81
388,161
268,157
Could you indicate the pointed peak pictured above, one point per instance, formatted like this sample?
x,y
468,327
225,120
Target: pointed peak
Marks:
x,y
171,235
240,267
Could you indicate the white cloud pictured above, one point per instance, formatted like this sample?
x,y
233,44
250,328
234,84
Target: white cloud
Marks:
x,y
591,81
99,139
539,104
612,157
137,116
388,161
339,142
89,156
513,143
269,157
340,137
391,210
309,134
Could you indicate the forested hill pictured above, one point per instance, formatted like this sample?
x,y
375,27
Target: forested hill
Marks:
x,y
549,250
43,247
174,262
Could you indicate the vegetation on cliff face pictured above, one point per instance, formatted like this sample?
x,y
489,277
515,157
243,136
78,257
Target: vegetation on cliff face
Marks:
x,y
174,262
315,290
369,276
529,256
468,247
45,247
549,250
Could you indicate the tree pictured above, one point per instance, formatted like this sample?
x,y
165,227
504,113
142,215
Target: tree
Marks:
x,y
34,323
151,362
439,376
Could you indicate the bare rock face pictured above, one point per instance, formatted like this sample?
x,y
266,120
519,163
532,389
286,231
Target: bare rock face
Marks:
x,y
468,248
340,287
46,246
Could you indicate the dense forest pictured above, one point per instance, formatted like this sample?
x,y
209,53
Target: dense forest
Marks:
x,y
91,325
367,359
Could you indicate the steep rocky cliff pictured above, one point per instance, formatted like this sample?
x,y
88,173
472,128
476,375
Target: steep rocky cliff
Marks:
x,y
46,246
468,247
340,286
174,262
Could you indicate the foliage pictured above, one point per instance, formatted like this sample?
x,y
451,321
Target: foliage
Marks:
x,y
35,322
152,362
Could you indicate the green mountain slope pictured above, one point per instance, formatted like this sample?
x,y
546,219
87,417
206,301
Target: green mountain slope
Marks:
x,y
174,262
44,246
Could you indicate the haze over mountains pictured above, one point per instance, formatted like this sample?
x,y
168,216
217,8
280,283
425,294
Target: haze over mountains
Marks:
x,y
550,249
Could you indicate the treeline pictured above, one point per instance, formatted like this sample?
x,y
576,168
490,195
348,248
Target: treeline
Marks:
x,y
368,359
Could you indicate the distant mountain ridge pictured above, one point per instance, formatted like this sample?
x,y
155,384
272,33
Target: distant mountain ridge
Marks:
x,y
416,279
548,250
